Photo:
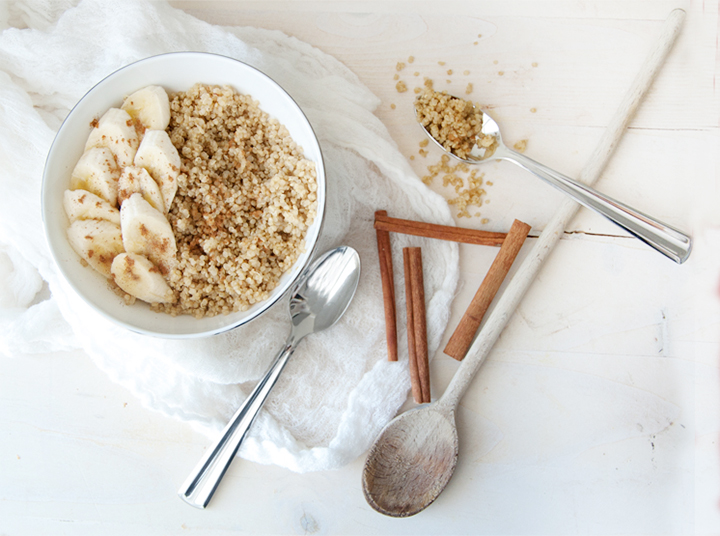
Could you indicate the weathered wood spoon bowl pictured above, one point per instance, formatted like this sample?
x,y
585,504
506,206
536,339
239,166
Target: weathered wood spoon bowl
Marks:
x,y
412,461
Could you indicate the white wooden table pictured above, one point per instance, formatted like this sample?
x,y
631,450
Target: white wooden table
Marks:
x,y
597,412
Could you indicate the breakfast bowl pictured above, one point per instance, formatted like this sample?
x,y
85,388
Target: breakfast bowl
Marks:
x,y
178,72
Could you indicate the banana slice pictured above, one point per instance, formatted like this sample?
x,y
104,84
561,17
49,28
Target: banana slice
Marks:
x,y
136,180
116,131
97,172
159,156
96,241
150,106
146,231
84,205
139,277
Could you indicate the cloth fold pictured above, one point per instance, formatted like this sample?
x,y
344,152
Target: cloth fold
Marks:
x,y
338,390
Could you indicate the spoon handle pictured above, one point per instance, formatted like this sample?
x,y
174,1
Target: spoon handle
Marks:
x,y
669,241
199,487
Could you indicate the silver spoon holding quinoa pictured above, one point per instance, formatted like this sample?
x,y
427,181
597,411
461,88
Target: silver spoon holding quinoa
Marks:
x,y
471,135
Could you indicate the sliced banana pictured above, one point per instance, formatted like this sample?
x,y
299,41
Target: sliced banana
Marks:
x,y
139,277
137,180
159,156
96,241
150,106
84,205
116,131
97,172
129,161
146,231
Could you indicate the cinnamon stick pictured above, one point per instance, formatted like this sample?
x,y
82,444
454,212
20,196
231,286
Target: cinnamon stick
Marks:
x,y
464,334
440,232
412,359
388,289
418,326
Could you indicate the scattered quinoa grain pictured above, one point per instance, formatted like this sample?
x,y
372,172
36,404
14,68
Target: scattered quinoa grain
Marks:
x,y
466,73
392,106
520,146
411,59
400,66
534,64
466,182
417,90
424,143
468,89
533,110
441,63
500,73
416,73
396,76
449,71
401,87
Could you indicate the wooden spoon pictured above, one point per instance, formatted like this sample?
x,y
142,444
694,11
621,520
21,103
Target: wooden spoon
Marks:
x,y
412,461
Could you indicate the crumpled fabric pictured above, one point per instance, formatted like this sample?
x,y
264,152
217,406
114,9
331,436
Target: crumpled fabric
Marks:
x,y
339,389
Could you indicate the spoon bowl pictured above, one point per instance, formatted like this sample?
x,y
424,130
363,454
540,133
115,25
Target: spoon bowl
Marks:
x,y
422,446
318,300
488,145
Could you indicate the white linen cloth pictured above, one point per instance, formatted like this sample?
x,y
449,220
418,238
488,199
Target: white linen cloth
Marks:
x,y
338,389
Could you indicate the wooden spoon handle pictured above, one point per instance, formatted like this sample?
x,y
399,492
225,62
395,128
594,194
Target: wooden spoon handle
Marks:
x,y
550,236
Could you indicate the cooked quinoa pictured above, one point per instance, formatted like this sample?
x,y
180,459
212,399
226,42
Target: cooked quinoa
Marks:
x,y
246,197
455,123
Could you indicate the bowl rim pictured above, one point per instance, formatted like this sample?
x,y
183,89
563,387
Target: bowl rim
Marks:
x,y
264,305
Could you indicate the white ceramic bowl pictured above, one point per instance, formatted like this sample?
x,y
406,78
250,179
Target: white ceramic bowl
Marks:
x,y
175,72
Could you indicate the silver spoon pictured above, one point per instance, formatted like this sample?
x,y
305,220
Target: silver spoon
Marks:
x,y
318,299
669,241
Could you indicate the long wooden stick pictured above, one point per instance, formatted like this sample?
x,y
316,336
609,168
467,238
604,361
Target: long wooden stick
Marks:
x,y
410,309
466,329
440,232
548,239
419,321
388,289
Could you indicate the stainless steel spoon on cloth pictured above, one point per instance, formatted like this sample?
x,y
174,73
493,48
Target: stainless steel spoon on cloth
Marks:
x,y
318,299
669,241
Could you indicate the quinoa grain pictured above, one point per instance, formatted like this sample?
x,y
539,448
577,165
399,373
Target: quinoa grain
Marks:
x,y
246,197
453,122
